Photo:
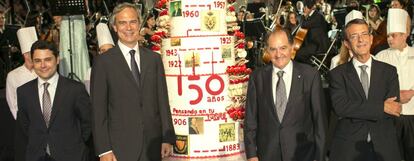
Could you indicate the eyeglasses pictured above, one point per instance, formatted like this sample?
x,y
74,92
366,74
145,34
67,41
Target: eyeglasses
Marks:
x,y
356,36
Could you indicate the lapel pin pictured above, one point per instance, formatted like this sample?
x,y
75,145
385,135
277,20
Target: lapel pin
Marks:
x,y
299,76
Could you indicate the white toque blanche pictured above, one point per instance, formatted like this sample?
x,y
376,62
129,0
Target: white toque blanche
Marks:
x,y
103,35
354,14
397,20
27,36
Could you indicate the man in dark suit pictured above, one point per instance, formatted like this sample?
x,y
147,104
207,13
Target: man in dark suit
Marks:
x,y
316,40
132,118
364,94
177,9
285,108
54,112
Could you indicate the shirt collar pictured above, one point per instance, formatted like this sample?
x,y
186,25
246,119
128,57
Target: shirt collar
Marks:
x,y
287,69
52,81
357,63
125,49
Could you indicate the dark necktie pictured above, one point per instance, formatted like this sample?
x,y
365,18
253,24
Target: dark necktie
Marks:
x,y
47,104
281,99
134,67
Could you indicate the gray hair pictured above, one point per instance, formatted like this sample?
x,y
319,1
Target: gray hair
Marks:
x,y
355,22
121,7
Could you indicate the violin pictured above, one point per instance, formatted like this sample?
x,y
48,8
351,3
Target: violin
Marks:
x,y
298,40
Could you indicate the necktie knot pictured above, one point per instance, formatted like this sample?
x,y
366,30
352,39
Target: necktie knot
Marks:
x,y
363,67
132,52
46,85
280,74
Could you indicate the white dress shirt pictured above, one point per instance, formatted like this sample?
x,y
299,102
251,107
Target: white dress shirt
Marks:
x,y
53,81
356,64
15,79
125,51
287,78
404,62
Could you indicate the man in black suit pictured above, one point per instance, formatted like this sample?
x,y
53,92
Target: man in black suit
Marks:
x,y
285,108
364,94
132,118
316,40
54,112
177,9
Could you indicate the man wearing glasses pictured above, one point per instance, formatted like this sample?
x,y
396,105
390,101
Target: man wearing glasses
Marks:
x,y
364,94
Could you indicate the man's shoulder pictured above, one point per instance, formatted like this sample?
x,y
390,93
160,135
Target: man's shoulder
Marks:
x,y
385,67
108,56
70,82
304,68
340,68
27,85
148,52
261,70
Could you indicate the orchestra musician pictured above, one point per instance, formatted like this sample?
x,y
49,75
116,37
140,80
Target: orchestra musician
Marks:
x,y
316,40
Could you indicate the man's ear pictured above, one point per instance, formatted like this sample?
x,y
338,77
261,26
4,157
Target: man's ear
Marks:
x,y
347,44
114,27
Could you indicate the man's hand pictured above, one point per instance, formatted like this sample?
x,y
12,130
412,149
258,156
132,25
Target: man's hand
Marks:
x,y
166,150
108,157
253,159
391,107
406,95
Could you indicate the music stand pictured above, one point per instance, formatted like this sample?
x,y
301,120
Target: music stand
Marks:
x,y
340,15
68,8
254,28
255,7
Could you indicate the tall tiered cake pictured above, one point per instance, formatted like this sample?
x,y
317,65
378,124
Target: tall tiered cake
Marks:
x,y
197,56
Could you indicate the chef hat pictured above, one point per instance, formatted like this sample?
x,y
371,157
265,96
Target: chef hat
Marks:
x,y
103,34
27,36
354,14
397,20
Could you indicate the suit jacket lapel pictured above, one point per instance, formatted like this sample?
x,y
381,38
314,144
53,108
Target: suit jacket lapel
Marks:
x,y
296,87
58,100
375,75
123,65
267,81
143,63
354,78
